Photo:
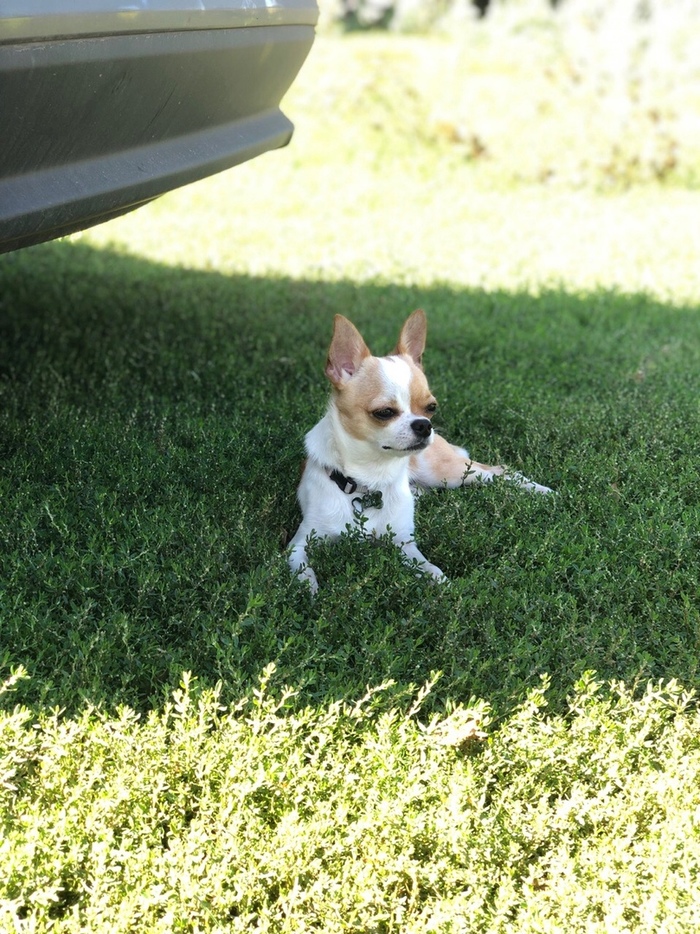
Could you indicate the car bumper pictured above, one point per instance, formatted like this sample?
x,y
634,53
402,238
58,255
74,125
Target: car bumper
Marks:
x,y
103,110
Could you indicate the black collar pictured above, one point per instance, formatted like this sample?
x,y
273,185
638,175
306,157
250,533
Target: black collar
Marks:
x,y
344,484
368,499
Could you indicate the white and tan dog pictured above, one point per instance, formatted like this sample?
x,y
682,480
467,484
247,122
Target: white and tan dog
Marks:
x,y
376,447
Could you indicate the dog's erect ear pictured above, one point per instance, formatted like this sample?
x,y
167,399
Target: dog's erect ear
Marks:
x,y
412,337
346,353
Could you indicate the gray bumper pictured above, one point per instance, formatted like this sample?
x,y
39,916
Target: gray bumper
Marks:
x,y
104,109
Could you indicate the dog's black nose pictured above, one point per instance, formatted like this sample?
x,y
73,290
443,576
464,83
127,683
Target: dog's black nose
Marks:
x,y
422,427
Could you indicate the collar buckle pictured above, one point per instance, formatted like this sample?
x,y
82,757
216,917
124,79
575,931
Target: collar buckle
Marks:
x,y
367,499
344,484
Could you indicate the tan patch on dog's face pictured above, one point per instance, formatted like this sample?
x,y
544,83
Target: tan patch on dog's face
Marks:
x,y
423,402
360,396
383,393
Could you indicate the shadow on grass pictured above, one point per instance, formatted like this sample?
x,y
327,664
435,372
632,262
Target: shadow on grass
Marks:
x,y
152,423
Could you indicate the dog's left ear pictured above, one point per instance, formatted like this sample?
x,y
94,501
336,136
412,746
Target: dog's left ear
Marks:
x,y
346,353
412,337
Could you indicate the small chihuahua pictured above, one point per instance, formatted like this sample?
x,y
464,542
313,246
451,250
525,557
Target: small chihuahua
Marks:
x,y
375,448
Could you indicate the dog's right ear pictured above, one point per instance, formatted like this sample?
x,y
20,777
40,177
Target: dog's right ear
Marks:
x,y
412,337
346,353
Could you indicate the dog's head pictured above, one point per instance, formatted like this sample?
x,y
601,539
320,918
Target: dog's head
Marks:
x,y
384,402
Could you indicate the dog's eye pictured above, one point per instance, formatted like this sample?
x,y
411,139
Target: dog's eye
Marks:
x,y
384,414
431,408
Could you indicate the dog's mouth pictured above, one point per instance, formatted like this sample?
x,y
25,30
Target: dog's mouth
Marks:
x,y
411,449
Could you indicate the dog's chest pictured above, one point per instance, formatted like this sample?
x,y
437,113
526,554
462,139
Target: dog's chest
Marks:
x,y
378,510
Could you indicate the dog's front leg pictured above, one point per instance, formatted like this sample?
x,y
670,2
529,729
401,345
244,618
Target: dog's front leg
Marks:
x,y
299,562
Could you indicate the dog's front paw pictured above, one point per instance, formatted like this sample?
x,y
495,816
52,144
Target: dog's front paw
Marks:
x,y
433,571
420,563
307,575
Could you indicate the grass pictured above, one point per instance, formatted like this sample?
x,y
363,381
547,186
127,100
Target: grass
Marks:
x,y
188,742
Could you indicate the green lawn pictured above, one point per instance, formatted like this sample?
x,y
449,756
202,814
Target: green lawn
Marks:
x,y
188,741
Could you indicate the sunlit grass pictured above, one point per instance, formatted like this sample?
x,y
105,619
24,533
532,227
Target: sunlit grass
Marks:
x,y
385,179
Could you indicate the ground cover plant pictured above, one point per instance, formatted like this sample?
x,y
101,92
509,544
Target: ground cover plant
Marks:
x,y
188,742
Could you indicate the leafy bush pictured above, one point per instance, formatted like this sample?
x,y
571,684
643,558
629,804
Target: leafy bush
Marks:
x,y
353,816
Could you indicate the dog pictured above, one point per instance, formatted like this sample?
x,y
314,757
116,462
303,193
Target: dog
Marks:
x,y
375,449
